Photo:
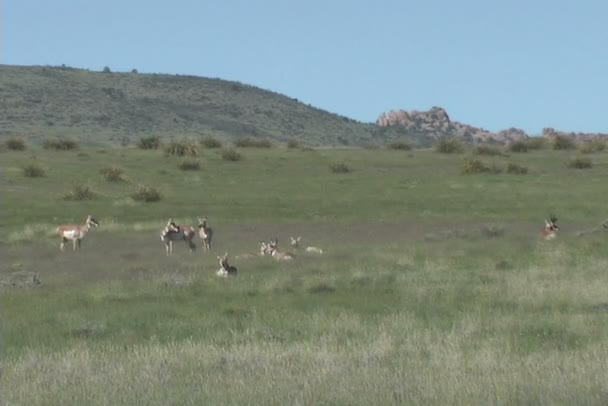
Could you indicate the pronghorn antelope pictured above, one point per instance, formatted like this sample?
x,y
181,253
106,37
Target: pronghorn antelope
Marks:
x,y
550,230
272,247
206,234
225,268
173,232
295,243
264,250
75,232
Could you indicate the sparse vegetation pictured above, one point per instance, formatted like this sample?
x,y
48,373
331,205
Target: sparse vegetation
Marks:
x,y
189,165
293,143
449,146
519,146
472,166
80,192
15,144
60,144
561,142
580,163
400,145
487,150
252,142
182,148
593,146
536,143
151,142
340,167
211,142
112,174
144,193
33,170
231,155
516,169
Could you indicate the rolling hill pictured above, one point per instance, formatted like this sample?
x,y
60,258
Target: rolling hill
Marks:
x,y
114,108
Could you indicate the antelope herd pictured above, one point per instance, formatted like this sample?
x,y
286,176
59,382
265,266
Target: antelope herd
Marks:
x,y
173,232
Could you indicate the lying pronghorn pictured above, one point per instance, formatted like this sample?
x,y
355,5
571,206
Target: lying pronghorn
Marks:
x,y
295,243
75,232
205,233
225,268
264,250
550,230
173,232
272,247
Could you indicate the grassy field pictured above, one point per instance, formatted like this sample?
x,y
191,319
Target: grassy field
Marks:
x,y
434,286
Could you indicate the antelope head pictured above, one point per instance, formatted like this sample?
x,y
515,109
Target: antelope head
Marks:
x,y
295,242
551,228
91,222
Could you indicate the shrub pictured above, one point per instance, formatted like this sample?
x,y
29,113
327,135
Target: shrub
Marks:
x,y
181,148
292,143
340,167
580,163
472,166
189,165
519,146
516,169
560,143
231,155
251,142
400,145
15,144
487,150
112,174
145,193
210,142
151,142
33,171
60,144
449,146
596,145
535,143
80,192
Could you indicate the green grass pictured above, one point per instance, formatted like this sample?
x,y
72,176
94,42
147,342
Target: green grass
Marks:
x,y
434,287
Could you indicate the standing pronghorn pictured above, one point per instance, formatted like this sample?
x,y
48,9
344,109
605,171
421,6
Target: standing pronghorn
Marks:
x,y
75,232
550,230
206,234
225,268
273,246
173,232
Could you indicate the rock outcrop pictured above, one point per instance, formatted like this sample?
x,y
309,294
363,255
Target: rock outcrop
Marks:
x,y
435,123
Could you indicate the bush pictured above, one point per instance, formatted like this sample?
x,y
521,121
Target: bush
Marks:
x,y
152,142
80,192
231,155
33,171
472,166
518,146
60,144
487,150
210,142
181,148
560,143
250,142
145,193
596,145
340,167
15,144
449,146
189,165
112,174
516,169
292,143
580,163
400,145
535,143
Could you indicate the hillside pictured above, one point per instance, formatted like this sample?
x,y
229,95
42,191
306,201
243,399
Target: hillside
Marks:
x,y
106,107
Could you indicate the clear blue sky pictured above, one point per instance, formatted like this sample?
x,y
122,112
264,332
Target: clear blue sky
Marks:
x,y
495,64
